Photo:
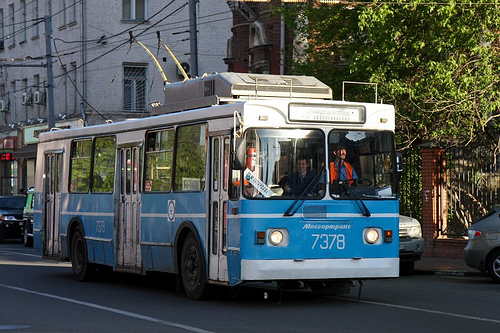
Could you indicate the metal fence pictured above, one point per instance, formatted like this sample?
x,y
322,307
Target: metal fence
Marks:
x,y
411,185
472,186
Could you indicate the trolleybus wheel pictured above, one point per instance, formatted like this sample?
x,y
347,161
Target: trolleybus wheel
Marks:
x,y
82,269
192,269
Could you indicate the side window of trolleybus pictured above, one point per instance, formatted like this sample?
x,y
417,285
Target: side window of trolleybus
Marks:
x,y
159,160
361,164
284,163
103,178
80,165
190,158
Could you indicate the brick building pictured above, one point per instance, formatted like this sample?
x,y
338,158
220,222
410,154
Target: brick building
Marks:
x,y
258,39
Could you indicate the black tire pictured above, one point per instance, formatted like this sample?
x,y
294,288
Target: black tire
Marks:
x,y
494,266
27,240
82,269
192,269
407,268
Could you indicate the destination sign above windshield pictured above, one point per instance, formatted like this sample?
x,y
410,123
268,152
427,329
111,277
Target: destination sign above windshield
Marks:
x,y
327,113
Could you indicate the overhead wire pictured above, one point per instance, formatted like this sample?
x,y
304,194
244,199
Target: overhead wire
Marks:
x,y
119,44
130,41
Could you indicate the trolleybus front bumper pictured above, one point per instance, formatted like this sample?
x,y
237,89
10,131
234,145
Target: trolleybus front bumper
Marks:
x,y
356,268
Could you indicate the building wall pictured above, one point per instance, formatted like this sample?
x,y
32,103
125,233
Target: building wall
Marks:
x,y
90,45
257,40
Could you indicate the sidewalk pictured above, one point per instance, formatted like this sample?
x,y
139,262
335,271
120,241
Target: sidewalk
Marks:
x,y
444,266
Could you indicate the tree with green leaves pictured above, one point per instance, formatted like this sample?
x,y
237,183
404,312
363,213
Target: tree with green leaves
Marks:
x,y
438,63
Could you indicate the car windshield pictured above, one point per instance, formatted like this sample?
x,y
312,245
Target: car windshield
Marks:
x,y
12,203
362,164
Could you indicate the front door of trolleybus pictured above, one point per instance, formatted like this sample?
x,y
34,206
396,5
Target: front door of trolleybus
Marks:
x,y
52,208
218,205
128,229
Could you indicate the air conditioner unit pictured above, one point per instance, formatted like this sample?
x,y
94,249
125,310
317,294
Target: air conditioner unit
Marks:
x,y
27,99
4,105
187,69
39,97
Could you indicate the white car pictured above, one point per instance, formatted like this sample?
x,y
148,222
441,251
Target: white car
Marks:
x,y
411,244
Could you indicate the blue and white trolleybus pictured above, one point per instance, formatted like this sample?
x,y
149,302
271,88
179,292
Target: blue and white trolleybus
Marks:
x,y
239,178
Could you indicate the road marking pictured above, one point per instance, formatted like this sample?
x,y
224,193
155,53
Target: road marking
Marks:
x,y
105,308
13,327
404,307
22,254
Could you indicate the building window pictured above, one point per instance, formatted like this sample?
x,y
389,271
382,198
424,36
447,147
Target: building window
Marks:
x,y
134,88
134,10
62,13
71,11
35,28
23,21
12,35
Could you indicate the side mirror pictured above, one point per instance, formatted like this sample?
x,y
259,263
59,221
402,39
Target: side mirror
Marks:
x,y
238,158
399,163
399,168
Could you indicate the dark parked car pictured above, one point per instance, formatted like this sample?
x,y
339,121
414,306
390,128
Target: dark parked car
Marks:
x,y
28,219
482,252
11,217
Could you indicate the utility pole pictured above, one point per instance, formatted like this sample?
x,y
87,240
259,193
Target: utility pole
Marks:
x,y
50,74
193,38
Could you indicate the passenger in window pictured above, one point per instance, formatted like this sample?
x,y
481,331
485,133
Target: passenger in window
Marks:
x,y
249,190
340,169
302,179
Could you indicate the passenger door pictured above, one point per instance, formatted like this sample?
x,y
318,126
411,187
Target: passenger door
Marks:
x,y
129,227
218,207
52,207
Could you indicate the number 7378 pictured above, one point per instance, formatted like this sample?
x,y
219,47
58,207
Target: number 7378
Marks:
x,y
328,241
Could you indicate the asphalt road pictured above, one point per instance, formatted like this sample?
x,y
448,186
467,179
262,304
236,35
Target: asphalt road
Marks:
x,y
42,296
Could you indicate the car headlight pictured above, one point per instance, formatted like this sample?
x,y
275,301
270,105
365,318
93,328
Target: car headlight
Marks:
x,y
372,236
415,232
8,218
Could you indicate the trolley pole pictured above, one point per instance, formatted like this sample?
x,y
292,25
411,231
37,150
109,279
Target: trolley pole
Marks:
x,y
50,74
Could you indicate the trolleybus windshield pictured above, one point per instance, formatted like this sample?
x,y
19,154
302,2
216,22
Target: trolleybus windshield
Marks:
x,y
291,163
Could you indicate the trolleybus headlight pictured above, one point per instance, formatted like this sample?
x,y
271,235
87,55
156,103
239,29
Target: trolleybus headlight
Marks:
x,y
372,236
275,237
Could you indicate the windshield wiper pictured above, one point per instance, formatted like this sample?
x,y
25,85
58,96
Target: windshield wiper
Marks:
x,y
316,180
361,205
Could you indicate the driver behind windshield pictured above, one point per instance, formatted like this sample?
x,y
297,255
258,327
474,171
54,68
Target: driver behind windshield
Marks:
x,y
339,168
